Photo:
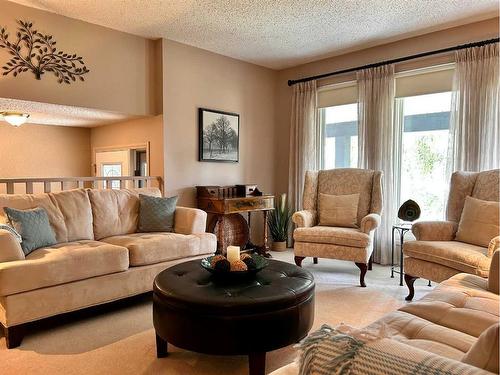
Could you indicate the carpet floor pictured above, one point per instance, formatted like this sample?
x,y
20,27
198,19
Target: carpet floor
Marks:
x,y
121,340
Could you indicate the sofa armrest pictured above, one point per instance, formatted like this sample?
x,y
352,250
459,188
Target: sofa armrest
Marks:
x,y
494,274
370,222
190,220
493,246
305,218
434,230
10,248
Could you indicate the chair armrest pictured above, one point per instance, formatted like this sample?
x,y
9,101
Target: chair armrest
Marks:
x,y
434,230
305,218
10,248
370,222
190,220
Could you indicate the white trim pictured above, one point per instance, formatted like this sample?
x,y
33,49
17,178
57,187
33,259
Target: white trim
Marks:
x,y
424,70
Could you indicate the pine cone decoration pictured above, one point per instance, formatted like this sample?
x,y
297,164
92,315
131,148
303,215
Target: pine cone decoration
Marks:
x,y
223,265
215,259
239,265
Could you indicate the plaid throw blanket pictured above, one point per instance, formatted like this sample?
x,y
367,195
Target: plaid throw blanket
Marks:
x,y
331,351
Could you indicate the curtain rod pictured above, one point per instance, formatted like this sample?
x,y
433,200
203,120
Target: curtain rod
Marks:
x,y
394,61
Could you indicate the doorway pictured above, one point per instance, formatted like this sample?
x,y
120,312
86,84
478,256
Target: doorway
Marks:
x,y
121,161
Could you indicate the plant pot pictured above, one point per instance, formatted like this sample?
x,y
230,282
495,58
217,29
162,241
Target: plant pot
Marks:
x,y
278,246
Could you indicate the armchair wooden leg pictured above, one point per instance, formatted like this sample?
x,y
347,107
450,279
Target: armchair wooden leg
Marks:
x,y
409,280
13,336
315,260
298,260
370,263
363,267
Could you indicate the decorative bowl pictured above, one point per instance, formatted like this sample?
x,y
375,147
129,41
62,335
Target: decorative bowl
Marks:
x,y
260,264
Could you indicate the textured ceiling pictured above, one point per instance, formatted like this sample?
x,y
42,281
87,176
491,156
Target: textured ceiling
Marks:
x,y
276,34
61,115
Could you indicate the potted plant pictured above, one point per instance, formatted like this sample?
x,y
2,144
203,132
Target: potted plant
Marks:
x,y
279,222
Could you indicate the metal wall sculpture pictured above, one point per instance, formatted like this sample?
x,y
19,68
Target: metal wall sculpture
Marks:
x,y
37,52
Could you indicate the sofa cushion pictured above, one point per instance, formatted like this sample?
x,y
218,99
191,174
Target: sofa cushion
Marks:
x,y
156,214
150,248
459,255
461,303
479,222
484,352
27,201
338,210
77,212
332,235
33,226
115,212
61,263
423,334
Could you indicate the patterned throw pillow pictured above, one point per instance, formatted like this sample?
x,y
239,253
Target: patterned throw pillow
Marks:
x,y
33,226
156,214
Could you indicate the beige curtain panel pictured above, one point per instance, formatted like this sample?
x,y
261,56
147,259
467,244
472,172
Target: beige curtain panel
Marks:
x,y
378,143
474,127
303,139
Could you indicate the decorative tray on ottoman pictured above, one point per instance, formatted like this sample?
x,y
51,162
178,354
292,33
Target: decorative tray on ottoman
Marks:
x,y
253,264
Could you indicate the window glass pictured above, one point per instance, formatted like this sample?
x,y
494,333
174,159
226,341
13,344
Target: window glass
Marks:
x,y
339,130
112,170
424,152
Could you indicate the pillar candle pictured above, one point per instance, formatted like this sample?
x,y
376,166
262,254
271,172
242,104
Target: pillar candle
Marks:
x,y
233,253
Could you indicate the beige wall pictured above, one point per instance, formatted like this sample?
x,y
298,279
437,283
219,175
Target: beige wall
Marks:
x,y
196,78
122,75
44,151
428,42
134,132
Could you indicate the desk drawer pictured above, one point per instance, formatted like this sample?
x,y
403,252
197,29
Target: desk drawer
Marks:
x,y
257,203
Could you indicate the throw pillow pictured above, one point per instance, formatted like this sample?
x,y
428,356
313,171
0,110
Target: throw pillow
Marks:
x,y
156,214
338,210
33,226
479,222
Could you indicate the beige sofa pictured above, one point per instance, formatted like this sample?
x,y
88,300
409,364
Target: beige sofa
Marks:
x,y
452,330
436,255
99,256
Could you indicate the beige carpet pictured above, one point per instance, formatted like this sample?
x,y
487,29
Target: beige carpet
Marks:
x,y
122,341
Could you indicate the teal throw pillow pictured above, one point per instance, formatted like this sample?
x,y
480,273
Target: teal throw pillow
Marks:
x,y
156,214
33,226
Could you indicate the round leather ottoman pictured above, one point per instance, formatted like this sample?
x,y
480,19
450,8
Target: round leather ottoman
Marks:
x,y
194,311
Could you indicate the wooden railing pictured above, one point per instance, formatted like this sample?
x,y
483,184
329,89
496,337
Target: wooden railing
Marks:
x,y
39,184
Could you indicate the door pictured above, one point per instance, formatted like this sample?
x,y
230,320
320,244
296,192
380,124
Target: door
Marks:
x,y
113,164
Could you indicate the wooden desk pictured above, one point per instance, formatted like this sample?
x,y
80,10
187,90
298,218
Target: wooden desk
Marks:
x,y
223,206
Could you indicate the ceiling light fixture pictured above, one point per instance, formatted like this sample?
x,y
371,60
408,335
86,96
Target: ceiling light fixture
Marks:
x,y
15,118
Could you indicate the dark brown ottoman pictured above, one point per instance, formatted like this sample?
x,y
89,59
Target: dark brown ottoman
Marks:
x,y
196,312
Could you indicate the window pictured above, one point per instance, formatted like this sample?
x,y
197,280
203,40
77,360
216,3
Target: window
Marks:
x,y
339,136
424,148
112,170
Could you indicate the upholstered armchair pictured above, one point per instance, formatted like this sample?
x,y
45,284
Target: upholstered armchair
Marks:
x,y
436,254
354,243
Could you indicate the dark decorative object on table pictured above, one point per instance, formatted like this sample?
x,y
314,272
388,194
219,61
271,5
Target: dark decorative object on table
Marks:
x,y
254,263
219,135
409,211
36,52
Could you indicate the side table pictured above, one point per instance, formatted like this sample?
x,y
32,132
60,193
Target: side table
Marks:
x,y
402,229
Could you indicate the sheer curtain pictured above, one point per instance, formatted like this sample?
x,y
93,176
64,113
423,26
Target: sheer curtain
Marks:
x,y
378,143
303,139
474,127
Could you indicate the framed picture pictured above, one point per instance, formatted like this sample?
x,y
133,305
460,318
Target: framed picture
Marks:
x,y
219,134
